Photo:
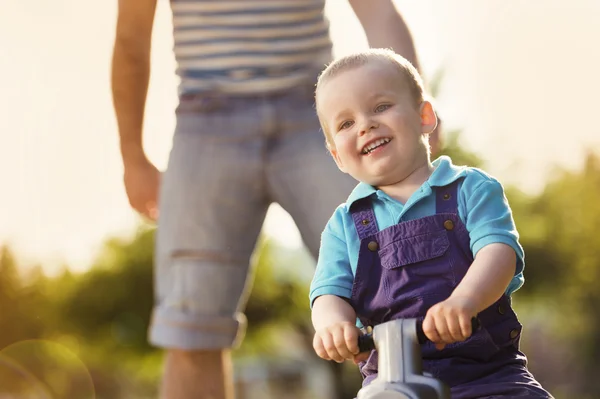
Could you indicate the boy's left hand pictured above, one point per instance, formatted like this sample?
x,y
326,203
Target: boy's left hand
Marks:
x,y
449,321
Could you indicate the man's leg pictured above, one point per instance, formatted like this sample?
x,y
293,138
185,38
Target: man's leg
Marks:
x,y
301,173
186,375
211,210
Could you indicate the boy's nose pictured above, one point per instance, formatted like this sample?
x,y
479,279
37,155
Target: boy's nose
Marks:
x,y
367,126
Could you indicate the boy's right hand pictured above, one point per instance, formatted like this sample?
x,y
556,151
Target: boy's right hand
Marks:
x,y
339,342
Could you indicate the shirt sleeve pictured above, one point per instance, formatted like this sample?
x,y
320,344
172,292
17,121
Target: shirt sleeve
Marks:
x,y
333,275
489,219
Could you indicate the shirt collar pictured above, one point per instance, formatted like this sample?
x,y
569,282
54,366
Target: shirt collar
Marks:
x,y
444,174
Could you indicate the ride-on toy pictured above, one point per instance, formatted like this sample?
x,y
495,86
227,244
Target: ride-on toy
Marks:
x,y
400,367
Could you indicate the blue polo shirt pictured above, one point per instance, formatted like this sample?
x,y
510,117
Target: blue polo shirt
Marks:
x,y
482,207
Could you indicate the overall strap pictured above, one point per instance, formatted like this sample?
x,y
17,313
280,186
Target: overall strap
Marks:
x,y
364,218
446,198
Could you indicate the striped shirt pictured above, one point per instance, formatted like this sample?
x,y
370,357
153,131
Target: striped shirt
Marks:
x,y
249,46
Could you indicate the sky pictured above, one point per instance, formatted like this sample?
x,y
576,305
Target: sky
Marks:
x,y
519,79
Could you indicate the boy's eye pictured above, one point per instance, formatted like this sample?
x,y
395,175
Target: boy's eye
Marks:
x,y
382,107
345,125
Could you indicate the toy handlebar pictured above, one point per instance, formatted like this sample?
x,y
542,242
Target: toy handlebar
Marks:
x,y
367,344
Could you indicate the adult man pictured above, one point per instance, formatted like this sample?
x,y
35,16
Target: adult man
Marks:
x,y
247,135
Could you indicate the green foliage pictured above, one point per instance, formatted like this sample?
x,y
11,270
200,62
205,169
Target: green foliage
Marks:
x,y
21,305
113,301
563,262
278,300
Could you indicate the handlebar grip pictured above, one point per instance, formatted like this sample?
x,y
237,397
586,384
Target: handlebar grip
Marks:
x,y
422,338
367,344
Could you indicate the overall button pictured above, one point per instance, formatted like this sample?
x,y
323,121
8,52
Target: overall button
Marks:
x,y
514,333
501,309
446,196
373,246
365,221
449,224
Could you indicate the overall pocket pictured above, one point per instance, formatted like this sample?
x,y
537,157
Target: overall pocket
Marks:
x,y
413,250
415,273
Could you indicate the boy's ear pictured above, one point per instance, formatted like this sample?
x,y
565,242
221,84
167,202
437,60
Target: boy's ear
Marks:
x,y
336,158
428,117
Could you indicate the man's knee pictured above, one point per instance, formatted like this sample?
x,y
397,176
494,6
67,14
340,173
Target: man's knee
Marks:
x,y
193,333
197,304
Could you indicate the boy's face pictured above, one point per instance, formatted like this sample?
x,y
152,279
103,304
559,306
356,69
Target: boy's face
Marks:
x,y
376,129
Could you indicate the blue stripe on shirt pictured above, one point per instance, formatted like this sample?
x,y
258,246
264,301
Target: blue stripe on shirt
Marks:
x,y
230,72
253,11
266,54
247,39
253,26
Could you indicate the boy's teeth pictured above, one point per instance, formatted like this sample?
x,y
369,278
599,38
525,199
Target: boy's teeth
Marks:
x,y
374,145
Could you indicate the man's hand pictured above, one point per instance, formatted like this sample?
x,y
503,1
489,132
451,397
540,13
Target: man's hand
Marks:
x,y
142,181
338,342
449,321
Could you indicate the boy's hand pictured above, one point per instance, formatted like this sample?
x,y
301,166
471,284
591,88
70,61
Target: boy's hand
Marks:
x,y
338,342
449,321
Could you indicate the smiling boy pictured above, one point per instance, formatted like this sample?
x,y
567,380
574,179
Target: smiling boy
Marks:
x,y
415,238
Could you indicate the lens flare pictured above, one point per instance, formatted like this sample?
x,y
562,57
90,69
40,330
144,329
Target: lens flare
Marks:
x,y
16,382
39,369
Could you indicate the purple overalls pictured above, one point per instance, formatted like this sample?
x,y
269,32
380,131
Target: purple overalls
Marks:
x,y
407,268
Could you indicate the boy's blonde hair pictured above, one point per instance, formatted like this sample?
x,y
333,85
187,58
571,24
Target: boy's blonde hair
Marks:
x,y
402,65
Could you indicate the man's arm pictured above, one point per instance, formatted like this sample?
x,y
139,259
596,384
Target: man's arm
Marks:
x,y
131,71
130,77
385,27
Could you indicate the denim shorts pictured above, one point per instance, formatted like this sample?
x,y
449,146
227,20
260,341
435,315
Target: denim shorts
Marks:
x,y
232,156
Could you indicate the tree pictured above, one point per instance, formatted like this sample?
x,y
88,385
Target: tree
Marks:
x,y
563,266
20,302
